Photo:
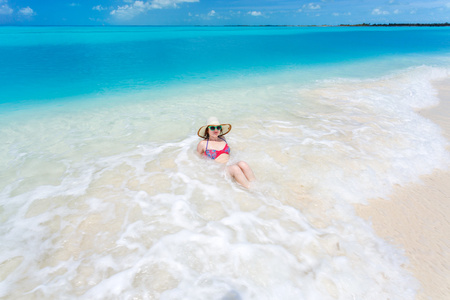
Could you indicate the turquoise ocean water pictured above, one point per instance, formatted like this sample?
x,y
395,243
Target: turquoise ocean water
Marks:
x,y
103,197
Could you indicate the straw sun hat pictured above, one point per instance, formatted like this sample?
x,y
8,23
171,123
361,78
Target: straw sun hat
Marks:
x,y
213,121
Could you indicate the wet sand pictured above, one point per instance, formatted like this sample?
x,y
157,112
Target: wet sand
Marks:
x,y
417,216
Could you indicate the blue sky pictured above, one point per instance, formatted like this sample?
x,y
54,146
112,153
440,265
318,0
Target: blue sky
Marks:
x,y
221,12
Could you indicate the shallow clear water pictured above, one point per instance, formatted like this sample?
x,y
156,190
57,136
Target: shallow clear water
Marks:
x,y
47,63
102,194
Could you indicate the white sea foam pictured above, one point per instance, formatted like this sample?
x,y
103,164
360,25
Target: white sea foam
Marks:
x,y
114,202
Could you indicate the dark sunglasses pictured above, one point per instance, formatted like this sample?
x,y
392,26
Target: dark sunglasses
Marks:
x,y
214,127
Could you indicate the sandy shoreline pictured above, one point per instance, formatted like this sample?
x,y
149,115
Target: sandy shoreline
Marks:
x,y
415,216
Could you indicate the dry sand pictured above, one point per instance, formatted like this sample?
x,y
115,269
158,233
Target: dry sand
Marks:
x,y
417,217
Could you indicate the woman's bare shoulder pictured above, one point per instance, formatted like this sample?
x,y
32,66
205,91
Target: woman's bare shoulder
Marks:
x,y
201,146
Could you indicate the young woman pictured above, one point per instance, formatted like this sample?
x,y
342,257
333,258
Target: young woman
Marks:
x,y
214,146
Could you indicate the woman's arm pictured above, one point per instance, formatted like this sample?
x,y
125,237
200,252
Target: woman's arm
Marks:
x,y
201,147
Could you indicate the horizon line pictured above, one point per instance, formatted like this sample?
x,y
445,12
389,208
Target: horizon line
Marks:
x,y
235,25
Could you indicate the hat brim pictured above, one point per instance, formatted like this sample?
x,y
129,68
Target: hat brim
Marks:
x,y
225,129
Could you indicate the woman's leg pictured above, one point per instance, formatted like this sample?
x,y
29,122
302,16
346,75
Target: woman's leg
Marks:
x,y
236,172
246,170
242,173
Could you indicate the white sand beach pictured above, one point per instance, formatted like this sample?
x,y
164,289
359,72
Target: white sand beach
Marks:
x,y
416,217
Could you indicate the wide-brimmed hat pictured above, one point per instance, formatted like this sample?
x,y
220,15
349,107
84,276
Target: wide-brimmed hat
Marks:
x,y
213,121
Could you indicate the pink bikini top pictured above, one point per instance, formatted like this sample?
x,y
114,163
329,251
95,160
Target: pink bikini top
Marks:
x,y
213,154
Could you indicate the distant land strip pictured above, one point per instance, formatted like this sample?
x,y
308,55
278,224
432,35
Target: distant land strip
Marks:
x,y
401,24
352,25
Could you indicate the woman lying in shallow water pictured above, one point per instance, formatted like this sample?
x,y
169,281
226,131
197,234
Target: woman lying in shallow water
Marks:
x,y
214,146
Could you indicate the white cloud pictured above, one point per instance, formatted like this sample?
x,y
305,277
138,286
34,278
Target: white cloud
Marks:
x,y
168,3
4,8
342,14
99,8
27,11
378,11
130,11
137,7
311,6
74,4
255,13
212,14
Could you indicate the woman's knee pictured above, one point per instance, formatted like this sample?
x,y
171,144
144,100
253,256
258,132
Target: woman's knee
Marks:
x,y
234,169
243,165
